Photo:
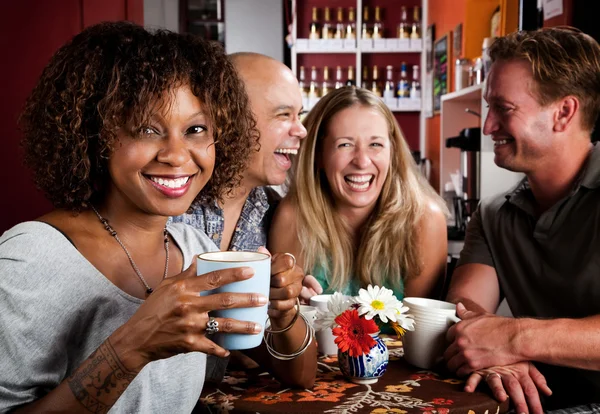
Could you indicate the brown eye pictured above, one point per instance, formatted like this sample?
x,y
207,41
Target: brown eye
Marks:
x,y
196,129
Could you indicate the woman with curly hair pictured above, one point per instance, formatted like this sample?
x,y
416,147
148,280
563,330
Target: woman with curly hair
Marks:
x,y
361,212
99,299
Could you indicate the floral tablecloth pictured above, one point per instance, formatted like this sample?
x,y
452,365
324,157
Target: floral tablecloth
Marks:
x,y
402,389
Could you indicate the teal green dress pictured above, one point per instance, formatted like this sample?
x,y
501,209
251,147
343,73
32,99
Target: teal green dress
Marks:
x,y
353,285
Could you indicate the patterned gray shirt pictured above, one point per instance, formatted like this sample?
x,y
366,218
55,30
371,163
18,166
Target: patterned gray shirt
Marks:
x,y
252,227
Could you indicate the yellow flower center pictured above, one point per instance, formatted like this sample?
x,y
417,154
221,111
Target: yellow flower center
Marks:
x,y
377,304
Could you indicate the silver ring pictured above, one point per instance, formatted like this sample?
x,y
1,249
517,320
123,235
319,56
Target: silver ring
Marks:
x,y
212,326
293,257
490,374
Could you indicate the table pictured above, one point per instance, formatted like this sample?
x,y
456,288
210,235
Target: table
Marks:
x,y
402,389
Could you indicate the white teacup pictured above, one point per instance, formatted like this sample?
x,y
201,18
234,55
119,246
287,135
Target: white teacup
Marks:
x,y
309,312
259,283
425,346
325,339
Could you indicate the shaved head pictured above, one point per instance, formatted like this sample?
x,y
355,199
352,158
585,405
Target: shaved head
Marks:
x,y
276,102
260,73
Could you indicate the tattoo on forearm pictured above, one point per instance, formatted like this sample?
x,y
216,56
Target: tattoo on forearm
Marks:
x,y
101,381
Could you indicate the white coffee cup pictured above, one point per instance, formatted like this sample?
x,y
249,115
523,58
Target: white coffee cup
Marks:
x,y
309,312
325,339
425,346
259,283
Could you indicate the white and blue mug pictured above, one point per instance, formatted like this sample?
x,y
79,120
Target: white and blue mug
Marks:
x,y
259,283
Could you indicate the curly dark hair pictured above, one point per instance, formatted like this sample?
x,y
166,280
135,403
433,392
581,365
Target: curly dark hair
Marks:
x,y
108,77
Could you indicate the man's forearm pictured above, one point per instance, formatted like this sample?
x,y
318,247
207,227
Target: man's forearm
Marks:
x,y
566,342
469,304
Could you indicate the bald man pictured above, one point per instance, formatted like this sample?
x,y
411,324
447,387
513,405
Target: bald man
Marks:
x,y
242,221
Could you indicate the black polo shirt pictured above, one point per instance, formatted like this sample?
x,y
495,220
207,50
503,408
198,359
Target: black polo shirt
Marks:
x,y
548,267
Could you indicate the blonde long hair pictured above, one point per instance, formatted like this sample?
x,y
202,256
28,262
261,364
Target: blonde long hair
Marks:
x,y
388,251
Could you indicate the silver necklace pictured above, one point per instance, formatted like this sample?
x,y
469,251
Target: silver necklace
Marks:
x,y
113,233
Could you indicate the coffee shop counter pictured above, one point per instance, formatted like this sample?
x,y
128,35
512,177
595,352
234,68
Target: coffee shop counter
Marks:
x,y
402,389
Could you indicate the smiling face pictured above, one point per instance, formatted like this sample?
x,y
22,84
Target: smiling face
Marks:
x,y
163,170
277,105
356,157
522,129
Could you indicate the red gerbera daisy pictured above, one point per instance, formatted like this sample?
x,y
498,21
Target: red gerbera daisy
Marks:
x,y
354,333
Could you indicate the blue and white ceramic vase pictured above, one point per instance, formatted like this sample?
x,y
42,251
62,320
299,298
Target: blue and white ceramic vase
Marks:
x,y
367,368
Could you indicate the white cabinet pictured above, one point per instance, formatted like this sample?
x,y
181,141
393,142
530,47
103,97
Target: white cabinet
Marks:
x,y
456,114
361,53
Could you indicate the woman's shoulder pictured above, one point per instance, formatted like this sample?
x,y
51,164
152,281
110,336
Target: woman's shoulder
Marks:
x,y
435,210
282,234
190,240
31,237
287,207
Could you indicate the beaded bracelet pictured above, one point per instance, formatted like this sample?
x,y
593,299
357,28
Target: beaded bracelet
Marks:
x,y
308,338
287,328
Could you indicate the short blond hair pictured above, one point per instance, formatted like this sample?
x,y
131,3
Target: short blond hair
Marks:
x,y
564,61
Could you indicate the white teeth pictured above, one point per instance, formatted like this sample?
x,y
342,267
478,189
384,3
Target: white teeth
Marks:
x,y
176,183
500,142
359,182
359,178
286,151
363,186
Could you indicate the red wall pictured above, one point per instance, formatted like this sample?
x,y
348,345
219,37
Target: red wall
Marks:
x,y
30,32
445,15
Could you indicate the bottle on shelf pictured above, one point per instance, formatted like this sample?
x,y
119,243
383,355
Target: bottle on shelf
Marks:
x,y
378,25
302,83
314,94
403,89
415,32
365,77
403,26
338,78
367,29
325,86
415,88
350,81
389,90
340,29
327,28
351,25
375,86
314,26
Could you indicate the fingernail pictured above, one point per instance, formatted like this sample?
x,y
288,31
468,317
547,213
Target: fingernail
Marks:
x,y
257,328
262,300
247,271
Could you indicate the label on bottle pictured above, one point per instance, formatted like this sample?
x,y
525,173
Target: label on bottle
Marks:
x,y
388,93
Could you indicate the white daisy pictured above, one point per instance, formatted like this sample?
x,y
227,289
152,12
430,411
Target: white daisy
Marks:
x,y
376,301
336,305
406,321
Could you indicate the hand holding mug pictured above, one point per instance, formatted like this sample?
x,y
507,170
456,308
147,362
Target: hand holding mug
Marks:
x,y
175,317
284,289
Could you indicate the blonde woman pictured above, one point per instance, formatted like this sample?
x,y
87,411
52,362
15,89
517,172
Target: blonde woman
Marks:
x,y
358,211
